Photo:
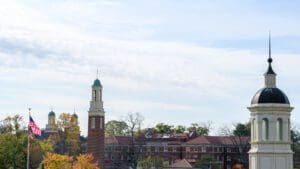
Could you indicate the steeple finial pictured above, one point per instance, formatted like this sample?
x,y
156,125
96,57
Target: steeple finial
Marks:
x,y
270,60
51,108
270,57
270,75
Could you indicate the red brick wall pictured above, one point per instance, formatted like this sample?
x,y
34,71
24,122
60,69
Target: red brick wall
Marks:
x,y
95,141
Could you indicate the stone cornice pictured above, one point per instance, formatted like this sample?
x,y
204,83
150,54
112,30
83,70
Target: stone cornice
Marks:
x,y
271,142
96,113
270,108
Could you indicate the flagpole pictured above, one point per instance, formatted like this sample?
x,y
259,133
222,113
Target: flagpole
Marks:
x,y
28,142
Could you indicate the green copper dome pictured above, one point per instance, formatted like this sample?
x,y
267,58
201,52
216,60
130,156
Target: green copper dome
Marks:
x,y
51,113
75,115
97,83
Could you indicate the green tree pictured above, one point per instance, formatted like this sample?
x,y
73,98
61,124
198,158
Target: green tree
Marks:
x,y
201,129
13,142
46,146
151,162
180,129
206,162
116,128
164,128
242,129
13,150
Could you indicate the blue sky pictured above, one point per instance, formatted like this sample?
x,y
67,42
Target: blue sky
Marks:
x,y
177,62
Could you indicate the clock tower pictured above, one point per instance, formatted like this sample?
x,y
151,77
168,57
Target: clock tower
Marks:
x,y
95,141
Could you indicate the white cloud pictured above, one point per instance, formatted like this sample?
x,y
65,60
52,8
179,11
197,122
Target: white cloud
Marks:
x,y
45,62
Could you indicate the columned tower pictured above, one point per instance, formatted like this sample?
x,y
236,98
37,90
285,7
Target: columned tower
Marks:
x,y
95,141
270,126
51,127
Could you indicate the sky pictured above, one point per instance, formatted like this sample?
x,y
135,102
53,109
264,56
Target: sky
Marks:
x,y
176,62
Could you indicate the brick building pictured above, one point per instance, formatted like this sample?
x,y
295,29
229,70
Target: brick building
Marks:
x,y
176,147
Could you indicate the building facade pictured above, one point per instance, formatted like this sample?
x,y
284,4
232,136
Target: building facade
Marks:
x,y
270,126
95,140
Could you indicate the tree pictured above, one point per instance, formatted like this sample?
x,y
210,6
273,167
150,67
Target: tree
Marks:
x,y
12,124
46,146
242,129
151,162
54,161
162,128
239,134
13,151
200,128
134,122
116,128
84,161
180,129
68,141
13,141
206,162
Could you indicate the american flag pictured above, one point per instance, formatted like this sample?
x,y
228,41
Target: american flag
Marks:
x,y
33,128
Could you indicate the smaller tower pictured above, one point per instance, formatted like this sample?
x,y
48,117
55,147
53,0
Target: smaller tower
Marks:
x,y
51,126
75,117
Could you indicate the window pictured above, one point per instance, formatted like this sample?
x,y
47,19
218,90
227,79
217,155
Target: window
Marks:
x,y
203,148
174,149
196,149
253,129
93,123
101,123
279,129
265,129
95,95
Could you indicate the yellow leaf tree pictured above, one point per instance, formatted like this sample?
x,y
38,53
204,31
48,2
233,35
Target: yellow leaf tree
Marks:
x,y
84,161
55,161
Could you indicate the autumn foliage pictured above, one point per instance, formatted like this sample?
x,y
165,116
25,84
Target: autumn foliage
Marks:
x,y
57,161
84,161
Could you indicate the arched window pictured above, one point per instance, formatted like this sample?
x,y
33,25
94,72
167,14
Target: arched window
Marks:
x,y
289,130
265,129
279,127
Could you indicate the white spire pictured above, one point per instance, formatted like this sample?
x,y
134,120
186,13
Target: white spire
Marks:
x,y
270,75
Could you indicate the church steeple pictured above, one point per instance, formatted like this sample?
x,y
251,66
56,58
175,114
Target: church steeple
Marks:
x,y
270,75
